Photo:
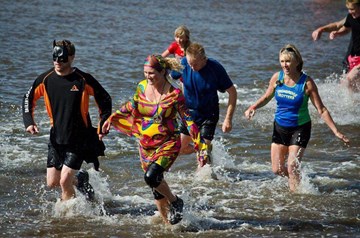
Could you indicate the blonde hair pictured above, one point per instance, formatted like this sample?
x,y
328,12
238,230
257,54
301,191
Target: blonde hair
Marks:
x,y
173,64
353,1
182,31
196,50
169,64
160,63
291,51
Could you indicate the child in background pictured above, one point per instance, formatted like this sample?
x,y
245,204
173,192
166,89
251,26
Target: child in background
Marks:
x,y
182,41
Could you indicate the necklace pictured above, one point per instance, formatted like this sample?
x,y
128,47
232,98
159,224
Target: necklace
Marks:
x,y
157,117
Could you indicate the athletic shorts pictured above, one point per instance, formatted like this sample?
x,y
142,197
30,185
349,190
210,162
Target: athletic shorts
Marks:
x,y
353,61
207,129
59,155
299,135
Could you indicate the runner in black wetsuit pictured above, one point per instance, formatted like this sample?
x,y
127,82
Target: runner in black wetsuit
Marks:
x,y
66,92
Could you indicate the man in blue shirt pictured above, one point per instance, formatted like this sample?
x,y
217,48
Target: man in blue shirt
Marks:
x,y
202,78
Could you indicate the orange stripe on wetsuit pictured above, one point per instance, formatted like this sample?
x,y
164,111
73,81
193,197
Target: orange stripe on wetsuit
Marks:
x,y
83,84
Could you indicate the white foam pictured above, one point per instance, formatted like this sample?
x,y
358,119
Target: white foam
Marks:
x,y
306,186
220,155
342,104
74,207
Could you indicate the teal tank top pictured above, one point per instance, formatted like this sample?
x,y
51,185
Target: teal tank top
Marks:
x,y
292,102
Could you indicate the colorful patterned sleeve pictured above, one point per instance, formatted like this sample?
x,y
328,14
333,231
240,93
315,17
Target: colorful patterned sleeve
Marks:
x,y
199,143
126,119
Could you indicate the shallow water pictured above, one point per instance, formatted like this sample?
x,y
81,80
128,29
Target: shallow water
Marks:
x,y
112,39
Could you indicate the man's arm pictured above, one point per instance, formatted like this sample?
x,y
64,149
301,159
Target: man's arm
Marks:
x,y
341,32
333,26
227,125
29,102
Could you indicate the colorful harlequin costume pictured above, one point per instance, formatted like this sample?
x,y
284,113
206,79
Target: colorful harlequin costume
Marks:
x,y
159,141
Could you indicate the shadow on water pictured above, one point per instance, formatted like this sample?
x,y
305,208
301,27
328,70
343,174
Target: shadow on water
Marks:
x,y
216,223
220,223
349,186
119,208
343,185
233,175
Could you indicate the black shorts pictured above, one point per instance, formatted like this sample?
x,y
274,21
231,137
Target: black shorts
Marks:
x,y
299,135
59,155
207,129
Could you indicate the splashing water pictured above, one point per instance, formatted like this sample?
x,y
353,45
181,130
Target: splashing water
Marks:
x,y
306,186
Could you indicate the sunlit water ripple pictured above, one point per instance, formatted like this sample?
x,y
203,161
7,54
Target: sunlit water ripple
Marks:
x,y
246,200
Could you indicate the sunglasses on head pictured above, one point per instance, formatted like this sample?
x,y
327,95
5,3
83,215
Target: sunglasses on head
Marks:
x,y
60,52
288,49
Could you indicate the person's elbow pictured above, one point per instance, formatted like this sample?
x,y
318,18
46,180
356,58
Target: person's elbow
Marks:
x,y
232,92
175,74
322,110
165,53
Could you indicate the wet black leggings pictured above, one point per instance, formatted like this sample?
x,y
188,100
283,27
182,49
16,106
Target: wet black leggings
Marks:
x,y
153,177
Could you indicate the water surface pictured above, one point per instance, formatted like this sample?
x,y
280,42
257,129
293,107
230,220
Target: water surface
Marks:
x,y
112,39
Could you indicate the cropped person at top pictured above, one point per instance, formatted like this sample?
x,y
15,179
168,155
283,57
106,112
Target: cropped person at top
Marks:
x,y
292,89
202,78
151,116
333,26
352,24
66,92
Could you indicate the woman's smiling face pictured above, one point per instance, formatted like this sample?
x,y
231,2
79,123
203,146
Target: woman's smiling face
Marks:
x,y
288,63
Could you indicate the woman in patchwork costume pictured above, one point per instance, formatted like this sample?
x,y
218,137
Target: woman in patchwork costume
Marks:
x,y
151,116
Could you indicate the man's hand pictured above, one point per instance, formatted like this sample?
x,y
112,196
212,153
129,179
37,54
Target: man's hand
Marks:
x,y
106,127
32,129
202,157
226,126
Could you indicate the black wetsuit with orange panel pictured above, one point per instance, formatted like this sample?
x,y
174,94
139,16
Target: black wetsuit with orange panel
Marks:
x,y
67,103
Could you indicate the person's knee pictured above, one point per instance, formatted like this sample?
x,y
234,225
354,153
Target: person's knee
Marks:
x,y
279,170
154,175
349,78
185,140
293,169
52,178
66,181
53,184
353,74
188,149
152,180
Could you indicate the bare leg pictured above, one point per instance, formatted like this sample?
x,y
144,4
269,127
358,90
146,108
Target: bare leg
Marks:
x,y
186,147
67,183
353,78
53,177
294,161
164,189
163,204
278,157
163,208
